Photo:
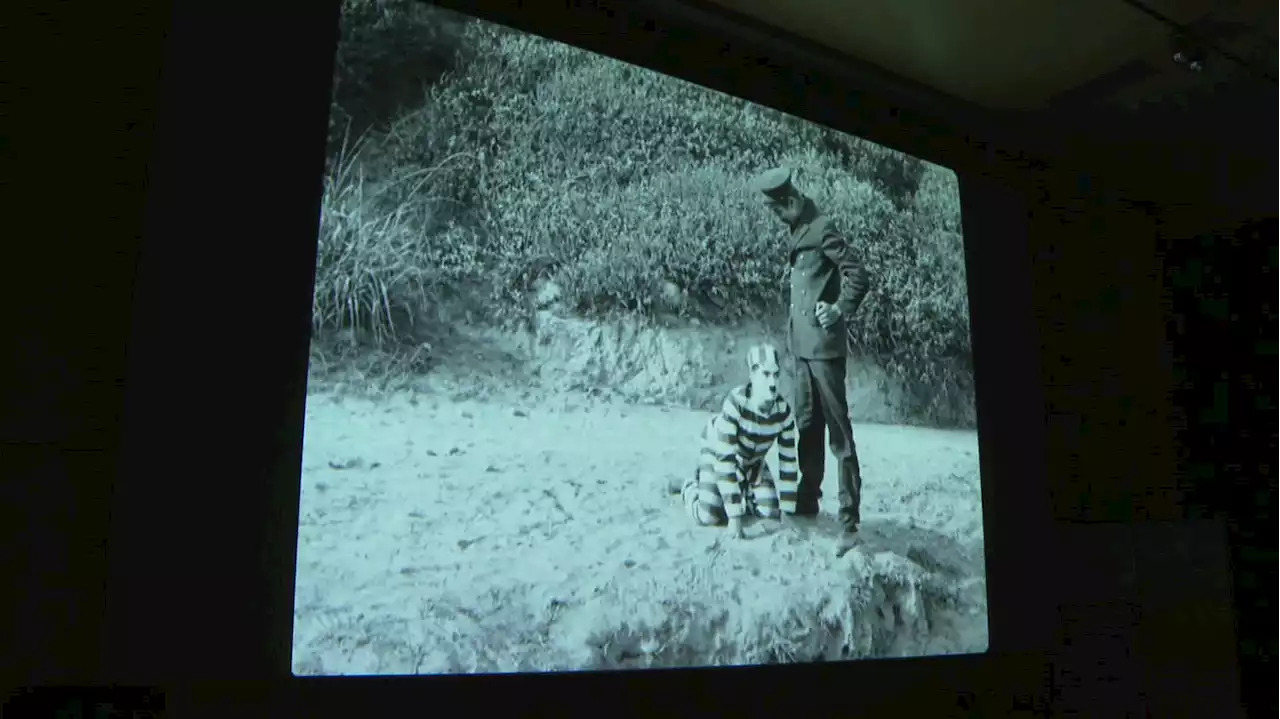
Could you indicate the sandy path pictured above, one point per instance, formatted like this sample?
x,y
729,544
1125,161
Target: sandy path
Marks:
x,y
442,535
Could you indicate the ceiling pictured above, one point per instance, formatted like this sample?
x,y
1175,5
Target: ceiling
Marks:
x,y
1014,55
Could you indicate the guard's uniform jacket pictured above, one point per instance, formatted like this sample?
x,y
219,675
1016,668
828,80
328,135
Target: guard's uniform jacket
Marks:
x,y
822,269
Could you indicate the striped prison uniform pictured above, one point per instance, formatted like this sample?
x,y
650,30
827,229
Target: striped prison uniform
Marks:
x,y
732,473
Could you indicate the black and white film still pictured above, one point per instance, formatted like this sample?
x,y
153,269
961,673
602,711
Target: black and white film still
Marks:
x,y
613,371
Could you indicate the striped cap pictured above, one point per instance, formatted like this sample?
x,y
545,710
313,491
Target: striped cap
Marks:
x,y
764,355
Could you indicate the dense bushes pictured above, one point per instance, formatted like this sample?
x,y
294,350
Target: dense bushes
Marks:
x,y
530,159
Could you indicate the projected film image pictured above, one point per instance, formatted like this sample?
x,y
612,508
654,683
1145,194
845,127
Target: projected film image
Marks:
x,y
613,371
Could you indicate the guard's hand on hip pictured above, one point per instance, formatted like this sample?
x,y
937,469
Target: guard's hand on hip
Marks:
x,y
827,314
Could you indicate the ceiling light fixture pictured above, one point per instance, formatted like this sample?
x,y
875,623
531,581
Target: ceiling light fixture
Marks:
x,y
1191,49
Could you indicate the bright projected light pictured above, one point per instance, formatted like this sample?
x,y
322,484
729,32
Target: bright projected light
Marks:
x,y
612,371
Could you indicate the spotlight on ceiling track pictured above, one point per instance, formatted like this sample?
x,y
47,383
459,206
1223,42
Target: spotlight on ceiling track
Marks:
x,y
1188,53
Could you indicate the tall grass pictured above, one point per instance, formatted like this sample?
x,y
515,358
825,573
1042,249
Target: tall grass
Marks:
x,y
370,278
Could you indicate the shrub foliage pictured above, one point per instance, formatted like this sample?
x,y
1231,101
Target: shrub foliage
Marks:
x,y
494,158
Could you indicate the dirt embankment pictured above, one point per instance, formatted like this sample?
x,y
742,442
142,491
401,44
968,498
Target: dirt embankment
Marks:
x,y
508,514
661,362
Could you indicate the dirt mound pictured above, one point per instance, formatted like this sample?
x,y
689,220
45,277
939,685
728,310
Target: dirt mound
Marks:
x,y
445,536
724,605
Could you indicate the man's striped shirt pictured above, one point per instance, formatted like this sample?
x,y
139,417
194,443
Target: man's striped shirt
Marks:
x,y
736,441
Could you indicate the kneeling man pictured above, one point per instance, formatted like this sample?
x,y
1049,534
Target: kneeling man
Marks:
x,y
732,479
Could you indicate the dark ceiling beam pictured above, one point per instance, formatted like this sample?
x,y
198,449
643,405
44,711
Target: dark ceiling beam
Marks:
x,y
979,139
1211,34
866,77
1102,89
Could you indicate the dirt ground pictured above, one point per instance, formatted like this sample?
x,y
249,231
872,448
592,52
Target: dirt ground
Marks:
x,y
445,531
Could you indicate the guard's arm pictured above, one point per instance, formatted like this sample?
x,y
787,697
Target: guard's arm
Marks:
x,y
854,281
